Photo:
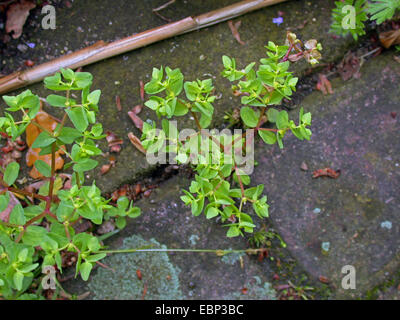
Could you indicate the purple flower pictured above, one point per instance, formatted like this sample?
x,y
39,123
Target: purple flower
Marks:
x,y
278,20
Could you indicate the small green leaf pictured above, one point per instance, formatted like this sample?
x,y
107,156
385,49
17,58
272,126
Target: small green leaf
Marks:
x,y
267,136
17,215
233,232
18,280
282,120
43,168
249,116
85,165
11,173
78,117
85,269
56,101
120,222
43,140
212,212
4,200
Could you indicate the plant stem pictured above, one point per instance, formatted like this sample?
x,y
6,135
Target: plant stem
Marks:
x,y
196,120
52,178
240,181
217,251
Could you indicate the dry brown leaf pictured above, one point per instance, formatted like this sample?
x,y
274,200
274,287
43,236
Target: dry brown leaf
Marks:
x,y
349,67
326,172
234,29
17,14
324,84
136,142
118,103
32,131
136,120
114,143
390,38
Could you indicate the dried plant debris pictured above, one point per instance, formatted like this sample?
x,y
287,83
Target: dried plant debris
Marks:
x,y
324,85
17,14
326,172
114,143
234,29
349,67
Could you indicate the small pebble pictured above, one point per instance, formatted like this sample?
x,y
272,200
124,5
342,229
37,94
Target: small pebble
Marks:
x,y
22,47
326,246
386,224
317,210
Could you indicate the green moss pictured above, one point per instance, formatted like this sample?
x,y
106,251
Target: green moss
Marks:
x,y
158,275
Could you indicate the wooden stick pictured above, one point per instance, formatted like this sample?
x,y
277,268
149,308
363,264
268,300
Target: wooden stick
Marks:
x,y
102,50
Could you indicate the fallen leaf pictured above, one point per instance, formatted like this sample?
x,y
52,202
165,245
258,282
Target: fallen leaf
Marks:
x,y
390,38
327,172
32,131
323,279
136,120
324,84
349,67
17,14
139,274
234,29
5,214
29,63
137,109
141,85
136,142
114,143
303,166
106,167
11,151
118,103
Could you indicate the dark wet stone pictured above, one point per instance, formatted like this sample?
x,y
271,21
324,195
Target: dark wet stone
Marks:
x,y
357,222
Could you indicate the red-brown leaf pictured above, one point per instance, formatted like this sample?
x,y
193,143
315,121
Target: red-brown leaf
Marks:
x,y
326,172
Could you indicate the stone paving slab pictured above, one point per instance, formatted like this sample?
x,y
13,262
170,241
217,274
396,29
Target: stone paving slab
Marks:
x,y
356,217
110,20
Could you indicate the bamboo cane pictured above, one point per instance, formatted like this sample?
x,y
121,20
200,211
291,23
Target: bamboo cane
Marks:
x,y
102,50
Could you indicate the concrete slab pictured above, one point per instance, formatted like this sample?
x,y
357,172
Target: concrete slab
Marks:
x,y
353,220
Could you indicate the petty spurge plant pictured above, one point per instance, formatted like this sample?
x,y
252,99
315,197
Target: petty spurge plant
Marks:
x,y
217,156
37,234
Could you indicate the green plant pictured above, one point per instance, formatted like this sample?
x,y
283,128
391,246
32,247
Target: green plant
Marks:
x,y
212,190
382,10
36,234
379,10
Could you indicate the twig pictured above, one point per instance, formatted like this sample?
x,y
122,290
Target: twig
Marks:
x,y
164,6
102,50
